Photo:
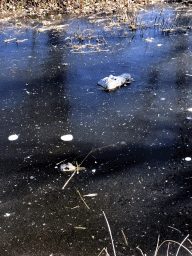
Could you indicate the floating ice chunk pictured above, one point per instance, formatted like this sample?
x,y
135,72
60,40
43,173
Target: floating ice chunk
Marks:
x,y
187,158
67,137
113,82
13,137
162,99
189,109
67,167
149,39
7,214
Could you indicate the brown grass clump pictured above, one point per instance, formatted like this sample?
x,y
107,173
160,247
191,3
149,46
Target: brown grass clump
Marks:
x,y
27,8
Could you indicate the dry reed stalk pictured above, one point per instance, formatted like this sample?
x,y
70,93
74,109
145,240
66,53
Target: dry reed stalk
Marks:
x,y
174,229
83,199
110,234
180,232
140,250
69,180
175,242
168,249
181,244
157,246
104,249
124,237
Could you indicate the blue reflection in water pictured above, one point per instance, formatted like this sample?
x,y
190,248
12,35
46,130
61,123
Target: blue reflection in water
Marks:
x,y
50,81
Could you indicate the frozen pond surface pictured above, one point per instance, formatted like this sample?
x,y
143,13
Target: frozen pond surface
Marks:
x,y
139,171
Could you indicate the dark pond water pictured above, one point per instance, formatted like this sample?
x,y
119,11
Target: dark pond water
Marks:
x,y
139,170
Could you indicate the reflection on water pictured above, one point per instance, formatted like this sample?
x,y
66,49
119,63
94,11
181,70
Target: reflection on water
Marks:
x,y
48,90
32,93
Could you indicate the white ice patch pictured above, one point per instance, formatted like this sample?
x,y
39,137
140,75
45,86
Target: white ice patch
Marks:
x,y
189,109
91,195
94,170
67,137
149,39
13,137
187,158
7,214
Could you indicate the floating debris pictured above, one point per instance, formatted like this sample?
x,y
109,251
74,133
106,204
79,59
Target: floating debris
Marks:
x,y
75,207
21,41
13,137
83,199
91,195
8,214
9,40
67,137
94,170
68,167
149,39
124,237
113,82
75,169
80,227
47,27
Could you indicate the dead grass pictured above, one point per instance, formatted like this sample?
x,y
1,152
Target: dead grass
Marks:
x,y
170,247
12,9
